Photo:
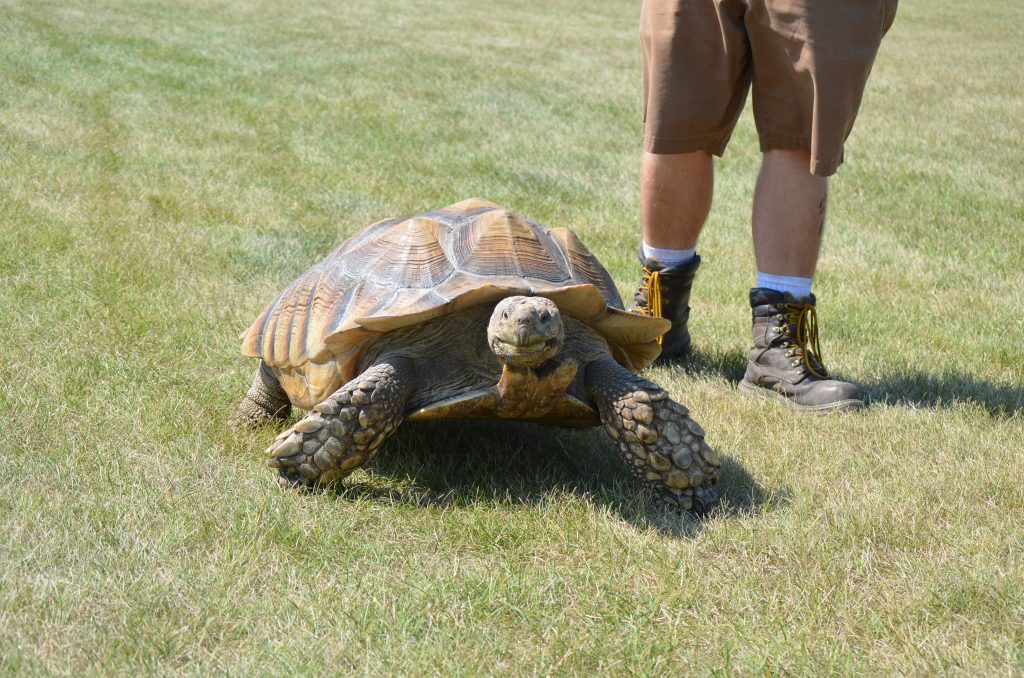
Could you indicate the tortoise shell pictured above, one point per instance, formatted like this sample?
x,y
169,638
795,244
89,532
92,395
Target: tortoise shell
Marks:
x,y
400,272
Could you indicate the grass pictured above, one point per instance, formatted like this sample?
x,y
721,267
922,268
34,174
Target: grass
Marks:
x,y
166,168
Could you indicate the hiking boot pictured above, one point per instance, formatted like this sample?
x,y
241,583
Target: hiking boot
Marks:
x,y
785,363
665,292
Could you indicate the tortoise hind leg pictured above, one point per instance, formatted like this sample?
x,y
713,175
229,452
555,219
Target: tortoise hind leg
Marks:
x,y
662,445
346,429
265,402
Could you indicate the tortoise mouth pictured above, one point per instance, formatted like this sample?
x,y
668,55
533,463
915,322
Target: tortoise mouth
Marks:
x,y
530,346
529,354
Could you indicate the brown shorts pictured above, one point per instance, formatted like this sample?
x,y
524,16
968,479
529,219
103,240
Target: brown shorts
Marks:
x,y
808,61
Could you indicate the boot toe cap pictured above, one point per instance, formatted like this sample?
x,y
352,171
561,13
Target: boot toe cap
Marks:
x,y
832,394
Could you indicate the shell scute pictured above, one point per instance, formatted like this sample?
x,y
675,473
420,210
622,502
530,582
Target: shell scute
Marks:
x,y
399,272
502,244
407,255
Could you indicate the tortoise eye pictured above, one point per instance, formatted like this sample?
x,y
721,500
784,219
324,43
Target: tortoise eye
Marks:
x,y
545,316
504,314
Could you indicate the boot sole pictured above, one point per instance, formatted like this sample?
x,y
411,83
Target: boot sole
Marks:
x,y
827,408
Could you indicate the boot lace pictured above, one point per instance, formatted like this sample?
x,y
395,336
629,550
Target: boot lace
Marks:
x,y
650,288
802,330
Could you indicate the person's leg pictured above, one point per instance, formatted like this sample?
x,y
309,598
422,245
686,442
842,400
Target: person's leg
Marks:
x,y
788,222
696,74
789,214
811,62
675,198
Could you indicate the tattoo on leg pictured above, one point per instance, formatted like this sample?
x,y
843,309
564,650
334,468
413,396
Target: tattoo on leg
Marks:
x,y
822,209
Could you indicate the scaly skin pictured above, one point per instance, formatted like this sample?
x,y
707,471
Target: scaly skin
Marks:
x,y
661,444
346,429
265,402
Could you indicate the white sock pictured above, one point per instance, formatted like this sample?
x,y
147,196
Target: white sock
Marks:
x,y
798,287
669,257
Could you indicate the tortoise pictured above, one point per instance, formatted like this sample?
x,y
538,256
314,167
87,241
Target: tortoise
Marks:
x,y
466,312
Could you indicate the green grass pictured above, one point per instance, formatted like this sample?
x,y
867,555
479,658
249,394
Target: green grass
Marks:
x,y
166,168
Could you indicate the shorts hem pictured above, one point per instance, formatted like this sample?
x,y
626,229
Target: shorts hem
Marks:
x,y
820,166
714,145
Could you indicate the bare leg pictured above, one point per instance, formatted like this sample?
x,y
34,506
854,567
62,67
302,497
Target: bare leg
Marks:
x,y
675,198
789,214
265,402
347,429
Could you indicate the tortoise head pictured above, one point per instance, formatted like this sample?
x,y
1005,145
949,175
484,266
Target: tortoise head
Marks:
x,y
525,331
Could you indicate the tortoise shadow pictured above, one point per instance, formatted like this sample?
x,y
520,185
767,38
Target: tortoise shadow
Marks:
x,y
444,464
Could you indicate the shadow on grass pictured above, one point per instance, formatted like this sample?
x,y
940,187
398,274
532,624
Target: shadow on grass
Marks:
x,y
936,391
464,464
700,362
917,389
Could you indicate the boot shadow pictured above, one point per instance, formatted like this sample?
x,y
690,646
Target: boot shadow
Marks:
x,y
915,389
705,362
946,390
442,464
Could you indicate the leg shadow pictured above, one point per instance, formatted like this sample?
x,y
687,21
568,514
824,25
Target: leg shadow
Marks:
x,y
944,390
917,389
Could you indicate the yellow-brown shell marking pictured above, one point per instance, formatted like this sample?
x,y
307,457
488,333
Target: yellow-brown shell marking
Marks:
x,y
400,272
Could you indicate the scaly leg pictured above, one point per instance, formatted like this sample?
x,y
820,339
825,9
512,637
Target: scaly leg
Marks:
x,y
346,429
662,445
265,402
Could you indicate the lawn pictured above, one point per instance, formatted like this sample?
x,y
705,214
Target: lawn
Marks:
x,y
167,167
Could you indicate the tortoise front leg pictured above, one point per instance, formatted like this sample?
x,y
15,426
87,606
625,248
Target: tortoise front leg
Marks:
x,y
265,402
662,445
346,429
